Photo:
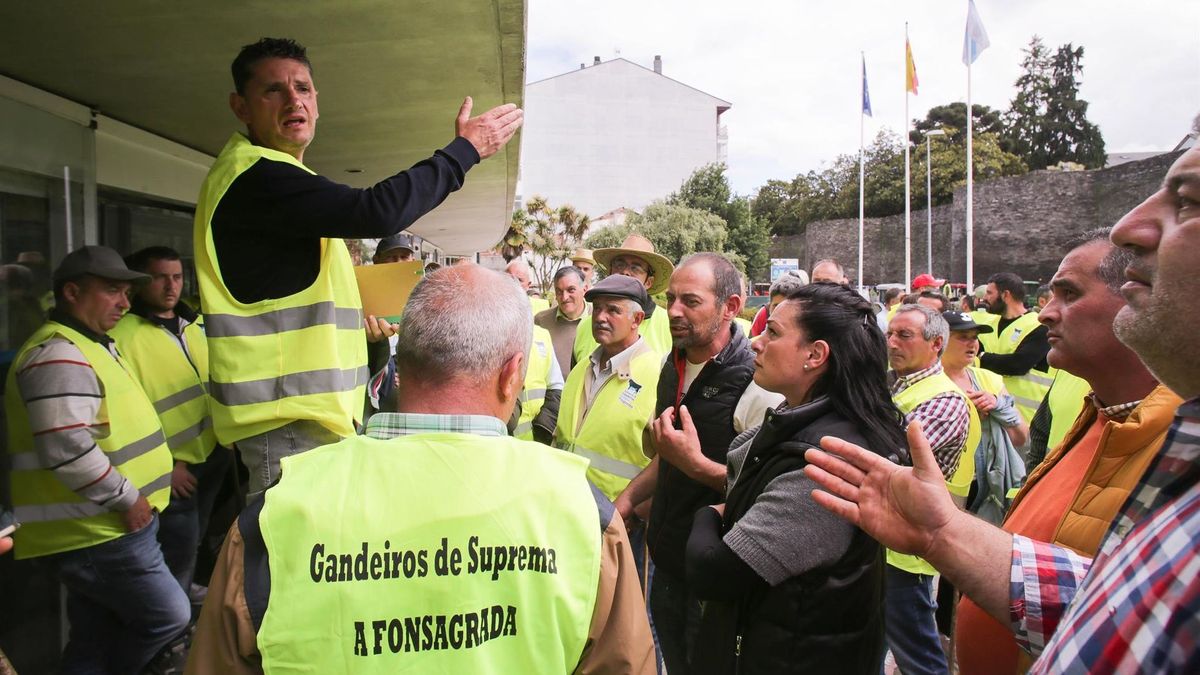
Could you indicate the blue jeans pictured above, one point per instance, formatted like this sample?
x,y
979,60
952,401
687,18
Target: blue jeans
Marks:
x,y
910,625
261,453
185,519
122,602
676,621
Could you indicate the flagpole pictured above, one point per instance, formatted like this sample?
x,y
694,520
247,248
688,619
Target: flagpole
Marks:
x,y
907,186
862,114
970,192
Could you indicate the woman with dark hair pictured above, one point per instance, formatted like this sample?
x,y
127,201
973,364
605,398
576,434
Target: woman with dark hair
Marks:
x,y
789,587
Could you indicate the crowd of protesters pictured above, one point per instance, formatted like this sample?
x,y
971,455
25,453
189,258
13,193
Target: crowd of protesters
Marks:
x,y
633,479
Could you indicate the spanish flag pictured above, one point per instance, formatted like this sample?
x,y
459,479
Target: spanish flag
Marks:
x,y
910,69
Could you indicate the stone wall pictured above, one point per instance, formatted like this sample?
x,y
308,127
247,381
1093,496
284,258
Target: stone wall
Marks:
x,y
1021,224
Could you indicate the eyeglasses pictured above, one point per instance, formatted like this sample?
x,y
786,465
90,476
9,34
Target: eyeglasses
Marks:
x,y
621,266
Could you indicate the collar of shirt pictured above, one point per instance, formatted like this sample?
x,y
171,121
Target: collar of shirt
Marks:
x,y
66,319
560,317
1114,412
619,364
384,426
903,382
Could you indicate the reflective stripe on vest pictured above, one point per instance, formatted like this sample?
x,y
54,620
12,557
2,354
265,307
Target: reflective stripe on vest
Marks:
x,y
493,569
609,433
55,518
173,376
284,359
1029,389
537,376
959,482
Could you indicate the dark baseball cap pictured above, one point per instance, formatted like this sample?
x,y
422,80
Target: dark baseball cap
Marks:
x,y
396,241
960,321
98,261
621,286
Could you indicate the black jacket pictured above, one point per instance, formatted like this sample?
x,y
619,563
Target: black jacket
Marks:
x,y
827,620
711,400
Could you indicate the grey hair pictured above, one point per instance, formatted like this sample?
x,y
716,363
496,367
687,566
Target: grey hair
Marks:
x,y
631,306
789,282
935,324
1111,269
830,261
463,323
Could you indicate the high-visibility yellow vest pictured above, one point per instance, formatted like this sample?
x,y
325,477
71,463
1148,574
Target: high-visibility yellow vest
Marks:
x,y
655,330
959,482
1067,396
432,553
609,432
537,378
538,304
986,318
175,381
1028,389
275,361
54,518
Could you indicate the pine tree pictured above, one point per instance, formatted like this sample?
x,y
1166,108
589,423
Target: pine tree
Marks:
x,y
1069,136
1026,113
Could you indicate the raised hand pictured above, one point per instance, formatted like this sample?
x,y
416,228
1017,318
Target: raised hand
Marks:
x,y
491,130
902,507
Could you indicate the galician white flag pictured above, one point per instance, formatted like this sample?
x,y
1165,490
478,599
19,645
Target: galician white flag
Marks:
x,y
976,39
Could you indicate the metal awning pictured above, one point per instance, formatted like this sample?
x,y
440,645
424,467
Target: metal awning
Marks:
x,y
391,76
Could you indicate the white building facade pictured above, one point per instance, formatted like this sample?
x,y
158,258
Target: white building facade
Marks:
x,y
616,134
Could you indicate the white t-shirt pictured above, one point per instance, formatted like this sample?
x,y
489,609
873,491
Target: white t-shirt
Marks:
x,y
751,407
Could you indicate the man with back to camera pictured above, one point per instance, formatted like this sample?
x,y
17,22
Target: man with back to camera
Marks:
x,y
464,494
288,362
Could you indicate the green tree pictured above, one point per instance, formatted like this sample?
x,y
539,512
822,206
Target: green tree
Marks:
x,y
676,231
1046,122
547,232
708,189
952,118
1070,136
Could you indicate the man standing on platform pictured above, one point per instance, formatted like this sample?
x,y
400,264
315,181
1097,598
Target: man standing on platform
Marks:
x,y
284,319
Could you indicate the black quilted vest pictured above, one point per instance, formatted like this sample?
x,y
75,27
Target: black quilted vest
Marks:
x,y
827,620
711,400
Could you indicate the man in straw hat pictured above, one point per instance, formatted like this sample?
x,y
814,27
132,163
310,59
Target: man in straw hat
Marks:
x,y
586,262
635,257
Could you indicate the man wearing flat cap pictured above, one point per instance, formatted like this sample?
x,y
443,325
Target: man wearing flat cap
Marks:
x,y
608,400
90,472
634,258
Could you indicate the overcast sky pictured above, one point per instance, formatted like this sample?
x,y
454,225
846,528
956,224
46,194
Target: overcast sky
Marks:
x,y
791,67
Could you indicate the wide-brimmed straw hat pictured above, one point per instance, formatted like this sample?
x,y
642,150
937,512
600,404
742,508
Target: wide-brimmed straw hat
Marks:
x,y
641,247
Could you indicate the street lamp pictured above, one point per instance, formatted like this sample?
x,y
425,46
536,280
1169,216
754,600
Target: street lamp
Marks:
x,y
929,200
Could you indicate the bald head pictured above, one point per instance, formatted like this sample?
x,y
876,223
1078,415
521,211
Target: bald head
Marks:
x,y
518,269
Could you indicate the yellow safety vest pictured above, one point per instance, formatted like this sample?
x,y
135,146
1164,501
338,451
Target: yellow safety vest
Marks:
x,y
1066,400
655,330
175,381
537,378
271,362
986,318
609,432
435,553
1028,389
55,518
959,482
538,304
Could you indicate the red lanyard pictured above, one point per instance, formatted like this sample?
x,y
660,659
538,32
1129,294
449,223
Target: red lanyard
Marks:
x,y
680,367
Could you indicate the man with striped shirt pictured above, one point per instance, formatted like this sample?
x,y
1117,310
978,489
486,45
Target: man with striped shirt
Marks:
x,y
916,337
90,471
